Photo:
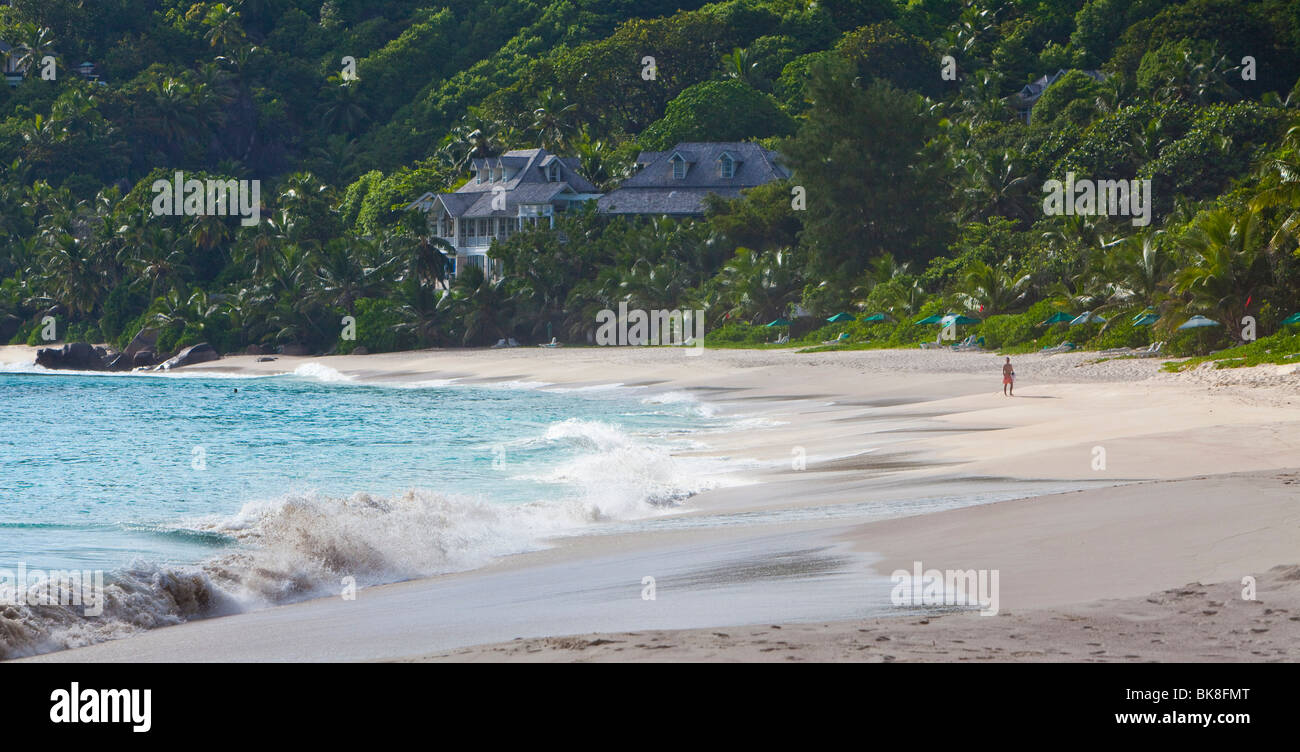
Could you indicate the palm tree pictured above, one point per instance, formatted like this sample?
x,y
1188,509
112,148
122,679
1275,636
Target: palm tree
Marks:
x,y
480,304
259,246
553,119
880,270
1227,265
31,45
223,27
1113,92
428,259
170,114
342,274
1136,270
994,290
158,260
903,296
1201,75
346,110
335,159
67,270
737,64
993,184
246,310
208,232
1147,143
476,137
1281,174
595,157
759,287
974,24
981,99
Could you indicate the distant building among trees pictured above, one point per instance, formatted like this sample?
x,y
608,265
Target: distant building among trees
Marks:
x,y
518,189
1023,101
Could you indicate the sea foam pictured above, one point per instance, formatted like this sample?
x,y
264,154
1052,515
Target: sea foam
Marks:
x,y
307,545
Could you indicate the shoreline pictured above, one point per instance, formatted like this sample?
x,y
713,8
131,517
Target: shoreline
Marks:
x,y
873,427
1173,625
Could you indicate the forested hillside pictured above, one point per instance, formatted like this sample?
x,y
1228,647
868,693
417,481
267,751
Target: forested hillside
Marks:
x,y
924,191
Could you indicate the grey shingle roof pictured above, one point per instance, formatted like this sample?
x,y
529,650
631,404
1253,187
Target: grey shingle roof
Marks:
x,y
660,200
529,166
654,190
528,184
528,193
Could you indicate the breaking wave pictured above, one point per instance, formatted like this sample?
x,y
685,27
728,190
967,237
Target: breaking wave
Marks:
x,y
301,546
319,372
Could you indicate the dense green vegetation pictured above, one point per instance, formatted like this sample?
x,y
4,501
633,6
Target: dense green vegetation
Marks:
x,y
923,194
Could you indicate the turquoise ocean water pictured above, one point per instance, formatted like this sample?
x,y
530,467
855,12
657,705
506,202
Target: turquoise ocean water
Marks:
x,y
201,495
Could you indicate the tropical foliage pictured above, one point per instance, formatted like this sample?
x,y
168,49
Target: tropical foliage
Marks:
x,y
914,191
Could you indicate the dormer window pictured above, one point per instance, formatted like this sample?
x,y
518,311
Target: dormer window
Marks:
x,y
679,167
726,166
496,174
553,172
482,174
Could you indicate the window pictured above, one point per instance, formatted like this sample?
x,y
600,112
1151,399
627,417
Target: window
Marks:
x,y
497,175
553,172
679,168
726,166
482,174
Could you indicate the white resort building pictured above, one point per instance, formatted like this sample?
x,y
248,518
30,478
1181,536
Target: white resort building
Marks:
x,y
504,194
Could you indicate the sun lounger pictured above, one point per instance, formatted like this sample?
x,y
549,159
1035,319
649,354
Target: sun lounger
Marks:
x,y
1065,346
844,337
512,342
1154,351
782,340
552,343
500,343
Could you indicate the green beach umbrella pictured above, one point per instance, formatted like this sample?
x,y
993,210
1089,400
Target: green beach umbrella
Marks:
x,y
929,320
837,318
1292,319
1198,322
1060,317
956,318
777,322
877,317
1087,317
1146,319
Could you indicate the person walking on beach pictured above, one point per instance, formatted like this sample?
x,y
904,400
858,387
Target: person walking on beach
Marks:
x,y
1008,379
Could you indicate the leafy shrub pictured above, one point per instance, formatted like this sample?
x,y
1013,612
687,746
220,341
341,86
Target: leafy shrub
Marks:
x,y
1119,331
377,328
718,111
739,334
1008,329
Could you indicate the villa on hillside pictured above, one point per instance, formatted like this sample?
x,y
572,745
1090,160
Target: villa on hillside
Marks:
x,y
1023,101
506,193
676,182
530,186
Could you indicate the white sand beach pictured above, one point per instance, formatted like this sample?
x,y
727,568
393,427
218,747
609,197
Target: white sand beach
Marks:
x,y
856,464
